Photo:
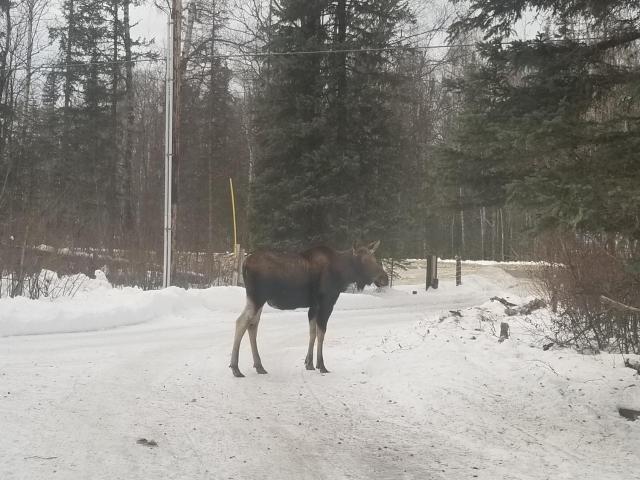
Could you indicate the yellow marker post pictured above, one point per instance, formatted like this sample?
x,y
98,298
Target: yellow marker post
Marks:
x,y
233,209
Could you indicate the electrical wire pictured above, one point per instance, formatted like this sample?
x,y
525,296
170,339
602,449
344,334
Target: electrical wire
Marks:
x,y
399,48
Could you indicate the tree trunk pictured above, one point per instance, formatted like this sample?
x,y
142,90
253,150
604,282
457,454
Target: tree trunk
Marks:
x,y
494,233
501,235
115,222
62,183
4,52
453,229
341,25
67,58
188,35
125,167
4,80
482,226
462,252
29,72
212,135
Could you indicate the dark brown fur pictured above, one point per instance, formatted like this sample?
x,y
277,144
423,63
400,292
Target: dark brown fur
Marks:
x,y
312,279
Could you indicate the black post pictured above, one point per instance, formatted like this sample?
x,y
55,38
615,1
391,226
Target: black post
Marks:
x,y
432,272
458,271
434,275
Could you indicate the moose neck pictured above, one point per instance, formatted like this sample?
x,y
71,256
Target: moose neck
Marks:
x,y
348,268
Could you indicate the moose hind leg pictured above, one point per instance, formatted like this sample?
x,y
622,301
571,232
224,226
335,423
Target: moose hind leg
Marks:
x,y
253,334
242,323
308,361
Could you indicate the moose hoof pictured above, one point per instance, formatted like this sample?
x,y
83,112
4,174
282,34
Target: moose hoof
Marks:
x,y
309,366
322,369
260,369
236,372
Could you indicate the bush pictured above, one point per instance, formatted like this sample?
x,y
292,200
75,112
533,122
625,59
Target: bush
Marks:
x,y
592,283
29,271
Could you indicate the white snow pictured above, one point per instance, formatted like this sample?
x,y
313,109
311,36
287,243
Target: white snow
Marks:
x,y
493,263
415,391
506,263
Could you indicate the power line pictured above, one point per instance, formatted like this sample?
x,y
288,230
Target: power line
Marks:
x,y
324,52
399,48
58,66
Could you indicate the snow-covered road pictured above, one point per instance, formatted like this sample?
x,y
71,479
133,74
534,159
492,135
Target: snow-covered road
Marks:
x,y
411,395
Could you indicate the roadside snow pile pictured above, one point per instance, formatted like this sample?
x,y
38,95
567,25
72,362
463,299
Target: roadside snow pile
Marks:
x,y
87,284
502,402
488,263
491,263
96,305
49,285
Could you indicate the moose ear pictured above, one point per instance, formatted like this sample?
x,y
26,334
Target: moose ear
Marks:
x,y
373,246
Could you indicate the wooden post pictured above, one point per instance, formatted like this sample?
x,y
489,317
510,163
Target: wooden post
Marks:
x,y
233,212
432,272
434,276
504,332
239,264
458,271
238,260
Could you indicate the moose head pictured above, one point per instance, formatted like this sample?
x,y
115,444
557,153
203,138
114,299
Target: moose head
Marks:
x,y
366,268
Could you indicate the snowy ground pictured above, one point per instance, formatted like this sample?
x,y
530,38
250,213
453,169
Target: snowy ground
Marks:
x,y
415,391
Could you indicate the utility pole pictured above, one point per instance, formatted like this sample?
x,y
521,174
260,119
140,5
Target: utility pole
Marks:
x,y
168,151
172,135
177,108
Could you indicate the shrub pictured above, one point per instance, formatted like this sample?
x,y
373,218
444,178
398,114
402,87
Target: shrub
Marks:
x,y
592,283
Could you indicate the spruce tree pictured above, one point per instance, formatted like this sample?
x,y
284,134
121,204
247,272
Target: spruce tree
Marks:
x,y
93,174
332,150
288,194
551,124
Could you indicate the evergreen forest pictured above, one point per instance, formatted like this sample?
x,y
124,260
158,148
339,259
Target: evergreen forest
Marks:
x,y
488,129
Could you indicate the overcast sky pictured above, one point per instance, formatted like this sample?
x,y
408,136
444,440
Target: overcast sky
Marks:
x,y
152,23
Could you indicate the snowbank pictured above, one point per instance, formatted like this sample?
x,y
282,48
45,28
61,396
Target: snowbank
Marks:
x,y
496,401
492,263
97,305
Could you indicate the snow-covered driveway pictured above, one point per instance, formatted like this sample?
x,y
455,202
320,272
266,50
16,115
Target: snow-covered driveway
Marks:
x,y
409,396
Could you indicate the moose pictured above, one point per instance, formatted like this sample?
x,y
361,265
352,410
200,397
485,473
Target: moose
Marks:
x,y
311,279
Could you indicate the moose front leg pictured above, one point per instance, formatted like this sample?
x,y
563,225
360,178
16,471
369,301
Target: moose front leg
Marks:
x,y
320,357
323,317
244,320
